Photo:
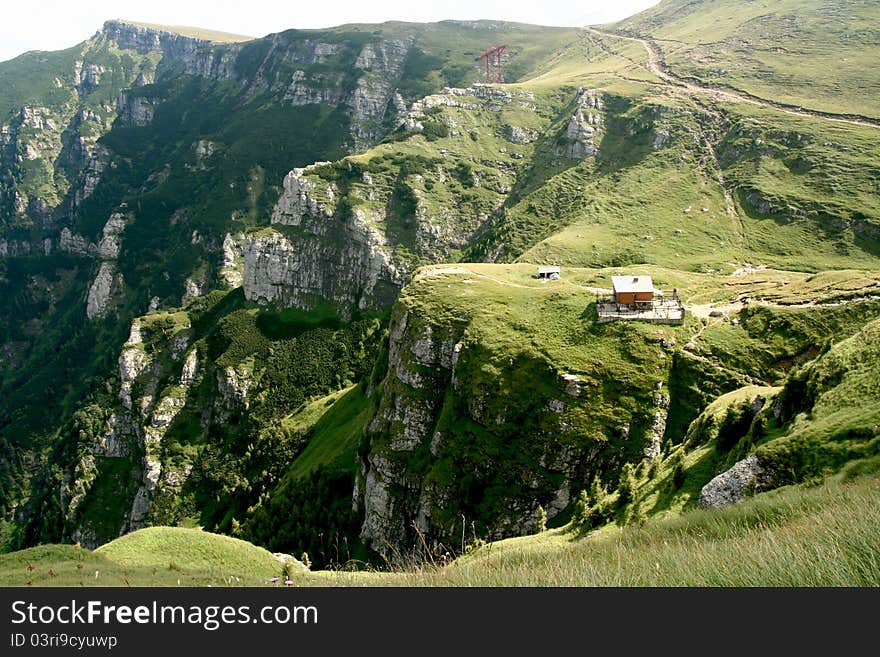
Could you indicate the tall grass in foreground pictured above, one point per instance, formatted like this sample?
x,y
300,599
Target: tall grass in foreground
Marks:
x,y
828,536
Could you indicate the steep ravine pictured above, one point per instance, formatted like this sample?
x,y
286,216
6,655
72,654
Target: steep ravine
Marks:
x,y
471,436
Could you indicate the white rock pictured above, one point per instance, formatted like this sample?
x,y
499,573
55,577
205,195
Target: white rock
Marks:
x,y
100,290
109,245
190,368
735,484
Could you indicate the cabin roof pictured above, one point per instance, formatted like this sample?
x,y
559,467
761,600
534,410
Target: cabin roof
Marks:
x,y
548,269
632,284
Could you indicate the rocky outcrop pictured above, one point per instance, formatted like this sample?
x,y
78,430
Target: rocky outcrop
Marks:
x,y
193,288
305,89
438,424
91,175
16,248
108,247
584,127
518,135
50,154
745,478
354,272
107,281
299,200
381,64
658,427
136,429
234,383
232,265
136,110
488,97
70,242
100,290
345,261
419,358
195,56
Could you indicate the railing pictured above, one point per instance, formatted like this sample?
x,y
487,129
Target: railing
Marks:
x,y
660,310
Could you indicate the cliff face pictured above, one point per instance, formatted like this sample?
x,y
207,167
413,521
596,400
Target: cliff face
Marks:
x,y
317,257
470,429
196,56
352,232
49,151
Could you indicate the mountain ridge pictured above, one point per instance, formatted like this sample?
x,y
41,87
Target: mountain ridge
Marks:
x,y
197,263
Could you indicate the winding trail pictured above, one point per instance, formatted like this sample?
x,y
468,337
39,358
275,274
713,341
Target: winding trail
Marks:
x,y
657,66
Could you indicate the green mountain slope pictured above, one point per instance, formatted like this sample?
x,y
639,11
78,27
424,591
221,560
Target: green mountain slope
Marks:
x,y
778,50
772,540
390,376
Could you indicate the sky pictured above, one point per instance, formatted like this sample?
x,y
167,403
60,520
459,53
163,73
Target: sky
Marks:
x,y
59,24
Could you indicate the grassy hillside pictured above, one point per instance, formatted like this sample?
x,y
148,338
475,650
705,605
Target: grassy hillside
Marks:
x,y
494,394
782,203
159,556
214,36
481,435
794,537
673,183
829,410
791,537
167,547
776,49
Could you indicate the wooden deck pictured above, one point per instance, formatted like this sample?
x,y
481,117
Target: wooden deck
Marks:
x,y
660,311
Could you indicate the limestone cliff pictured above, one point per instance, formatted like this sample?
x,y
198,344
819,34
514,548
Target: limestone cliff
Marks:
x,y
468,432
584,128
348,263
351,233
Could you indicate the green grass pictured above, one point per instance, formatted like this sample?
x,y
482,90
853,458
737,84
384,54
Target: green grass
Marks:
x,y
170,547
157,556
831,410
818,178
336,425
796,536
776,49
791,537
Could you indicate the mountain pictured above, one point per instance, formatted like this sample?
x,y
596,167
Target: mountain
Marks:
x,y
775,50
283,288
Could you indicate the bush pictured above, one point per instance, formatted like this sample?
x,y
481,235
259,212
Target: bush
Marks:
x,y
434,130
678,473
735,425
581,511
626,485
465,174
541,520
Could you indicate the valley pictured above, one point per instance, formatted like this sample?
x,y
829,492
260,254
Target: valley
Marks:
x,y
285,290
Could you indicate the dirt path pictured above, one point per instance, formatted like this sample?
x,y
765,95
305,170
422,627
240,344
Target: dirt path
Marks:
x,y
702,310
458,269
657,66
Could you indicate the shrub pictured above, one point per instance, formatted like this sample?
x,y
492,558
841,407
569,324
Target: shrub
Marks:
x,y
626,485
581,511
434,130
735,425
465,174
541,520
678,473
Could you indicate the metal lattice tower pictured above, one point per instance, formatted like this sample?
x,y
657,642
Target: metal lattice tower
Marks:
x,y
493,64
